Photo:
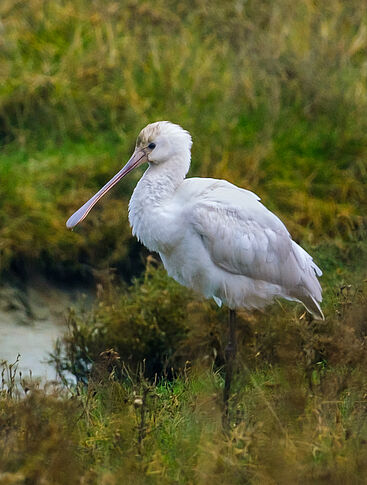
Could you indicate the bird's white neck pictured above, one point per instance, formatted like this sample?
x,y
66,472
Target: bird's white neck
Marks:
x,y
160,181
155,189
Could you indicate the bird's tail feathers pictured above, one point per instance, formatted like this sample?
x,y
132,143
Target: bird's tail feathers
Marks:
x,y
312,306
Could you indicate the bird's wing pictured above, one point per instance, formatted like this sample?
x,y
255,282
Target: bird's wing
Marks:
x,y
243,237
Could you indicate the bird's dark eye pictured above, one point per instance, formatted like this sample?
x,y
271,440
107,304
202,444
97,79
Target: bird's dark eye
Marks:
x,y
151,146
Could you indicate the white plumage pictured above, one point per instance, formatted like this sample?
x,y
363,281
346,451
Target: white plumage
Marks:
x,y
211,235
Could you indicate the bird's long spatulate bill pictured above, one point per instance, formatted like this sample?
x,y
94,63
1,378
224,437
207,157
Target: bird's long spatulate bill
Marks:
x,y
137,159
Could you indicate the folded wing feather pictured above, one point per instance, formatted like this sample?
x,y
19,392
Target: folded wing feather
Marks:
x,y
243,237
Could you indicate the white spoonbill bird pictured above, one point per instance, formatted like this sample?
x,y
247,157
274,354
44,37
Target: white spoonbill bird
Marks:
x,y
212,236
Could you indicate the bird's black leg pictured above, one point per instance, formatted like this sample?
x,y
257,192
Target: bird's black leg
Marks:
x,y
230,353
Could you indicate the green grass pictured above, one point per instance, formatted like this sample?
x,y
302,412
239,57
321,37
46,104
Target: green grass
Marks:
x,y
275,96
297,408
297,414
275,99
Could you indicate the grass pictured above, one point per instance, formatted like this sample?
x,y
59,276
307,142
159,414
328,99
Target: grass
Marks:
x,y
275,97
297,409
297,412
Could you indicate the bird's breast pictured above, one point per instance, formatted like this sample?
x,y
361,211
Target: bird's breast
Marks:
x,y
155,226
157,211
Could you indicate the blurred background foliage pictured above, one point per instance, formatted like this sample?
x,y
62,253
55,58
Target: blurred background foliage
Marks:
x,y
275,96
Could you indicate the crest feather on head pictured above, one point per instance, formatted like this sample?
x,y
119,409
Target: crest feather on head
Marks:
x,y
153,130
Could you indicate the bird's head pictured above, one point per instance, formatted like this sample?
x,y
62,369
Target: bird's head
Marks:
x,y
162,141
156,144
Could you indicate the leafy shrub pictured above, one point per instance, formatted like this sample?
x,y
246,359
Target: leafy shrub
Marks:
x,y
298,407
144,322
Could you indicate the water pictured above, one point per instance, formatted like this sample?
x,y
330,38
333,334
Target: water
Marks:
x,y
31,320
33,343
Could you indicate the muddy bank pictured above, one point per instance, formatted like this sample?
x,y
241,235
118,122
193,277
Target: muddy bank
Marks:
x,y
31,319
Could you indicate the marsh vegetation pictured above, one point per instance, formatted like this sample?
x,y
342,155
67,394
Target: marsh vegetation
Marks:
x,y
275,95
